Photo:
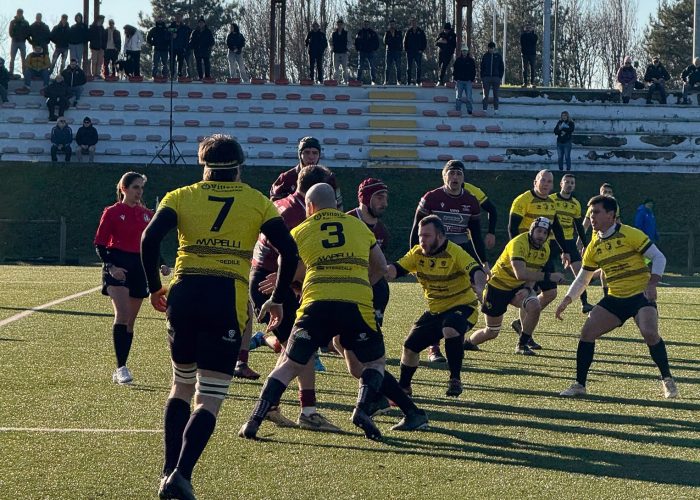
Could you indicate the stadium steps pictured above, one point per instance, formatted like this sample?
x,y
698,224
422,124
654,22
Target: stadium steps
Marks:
x,y
372,126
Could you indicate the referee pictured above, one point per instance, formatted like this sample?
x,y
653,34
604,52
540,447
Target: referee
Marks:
x,y
218,221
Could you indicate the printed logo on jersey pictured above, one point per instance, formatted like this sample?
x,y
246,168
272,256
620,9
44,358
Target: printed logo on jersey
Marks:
x,y
122,217
146,217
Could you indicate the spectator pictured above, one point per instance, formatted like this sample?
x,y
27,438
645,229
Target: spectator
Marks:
x,y
61,138
464,73
657,76
19,32
97,41
446,43
691,80
316,43
36,64
339,47
40,34
60,36
645,220
564,130
366,43
112,42
75,79
159,37
4,80
78,36
86,139
528,49
491,70
133,40
393,40
202,42
626,77
235,41
414,43
181,42
57,94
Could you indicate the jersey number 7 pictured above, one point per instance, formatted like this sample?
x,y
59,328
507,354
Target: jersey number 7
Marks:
x,y
225,209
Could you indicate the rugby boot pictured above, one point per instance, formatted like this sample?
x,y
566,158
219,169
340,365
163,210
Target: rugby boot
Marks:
x,y
178,487
242,370
669,387
524,350
575,389
249,430
316,422
454,387
435,356
364,422
414,421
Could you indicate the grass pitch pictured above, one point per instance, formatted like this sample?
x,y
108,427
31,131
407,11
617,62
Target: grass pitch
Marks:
x,y
67,432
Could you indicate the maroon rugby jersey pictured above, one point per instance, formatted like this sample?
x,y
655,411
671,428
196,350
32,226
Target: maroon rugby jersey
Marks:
x,y
121,227
293,212
286,184
454,211
379,229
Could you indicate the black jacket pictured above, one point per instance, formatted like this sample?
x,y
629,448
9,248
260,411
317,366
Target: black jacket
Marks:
x,y
4,76
339,41
528,43
19,29
96,36
316,42
74,77
182,38
61,136
201,41
415,41
39,34
491,65
564,130
159,37
654,71
86,136
447,47
60,35
235,42
691,74
117,39
366,40
57,90
78,33
393,42
464,69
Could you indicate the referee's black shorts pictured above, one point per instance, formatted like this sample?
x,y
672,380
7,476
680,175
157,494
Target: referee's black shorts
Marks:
x,y
135,275
206,315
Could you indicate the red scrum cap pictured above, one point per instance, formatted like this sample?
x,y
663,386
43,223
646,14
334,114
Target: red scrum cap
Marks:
x,y
368,188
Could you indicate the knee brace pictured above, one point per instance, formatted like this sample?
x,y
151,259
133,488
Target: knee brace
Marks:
x,y
529,300
187,376
212,387
492,331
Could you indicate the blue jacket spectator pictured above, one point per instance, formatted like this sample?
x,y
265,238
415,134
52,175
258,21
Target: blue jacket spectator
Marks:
x,y
645,220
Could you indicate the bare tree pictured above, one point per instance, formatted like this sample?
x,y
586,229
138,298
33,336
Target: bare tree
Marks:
x,y
619,34
579,45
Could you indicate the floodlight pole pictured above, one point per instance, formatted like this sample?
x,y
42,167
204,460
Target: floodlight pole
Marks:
x,y
696,30
547,44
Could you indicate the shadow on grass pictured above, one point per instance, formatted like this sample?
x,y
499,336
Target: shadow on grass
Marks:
x,y
58,311
6,339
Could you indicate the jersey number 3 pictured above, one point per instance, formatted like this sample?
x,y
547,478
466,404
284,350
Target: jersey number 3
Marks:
x,y
335,231
225,209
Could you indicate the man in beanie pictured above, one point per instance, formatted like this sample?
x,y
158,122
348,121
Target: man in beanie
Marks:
x,y
446,43
373,198
309,152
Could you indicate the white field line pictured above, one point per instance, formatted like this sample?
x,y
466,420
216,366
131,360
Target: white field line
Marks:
x,y
31,311
79,430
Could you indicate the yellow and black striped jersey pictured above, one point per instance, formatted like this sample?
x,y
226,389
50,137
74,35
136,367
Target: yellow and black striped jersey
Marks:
x,y
529,206
218,224
335,249
568,210
621,257
475,192
519,248
445,276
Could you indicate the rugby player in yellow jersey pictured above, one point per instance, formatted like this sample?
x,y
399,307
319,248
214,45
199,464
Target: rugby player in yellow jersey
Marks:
x,y
530,205
619,250
605,189
340,259
449,277
569,215
218,221
522,264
